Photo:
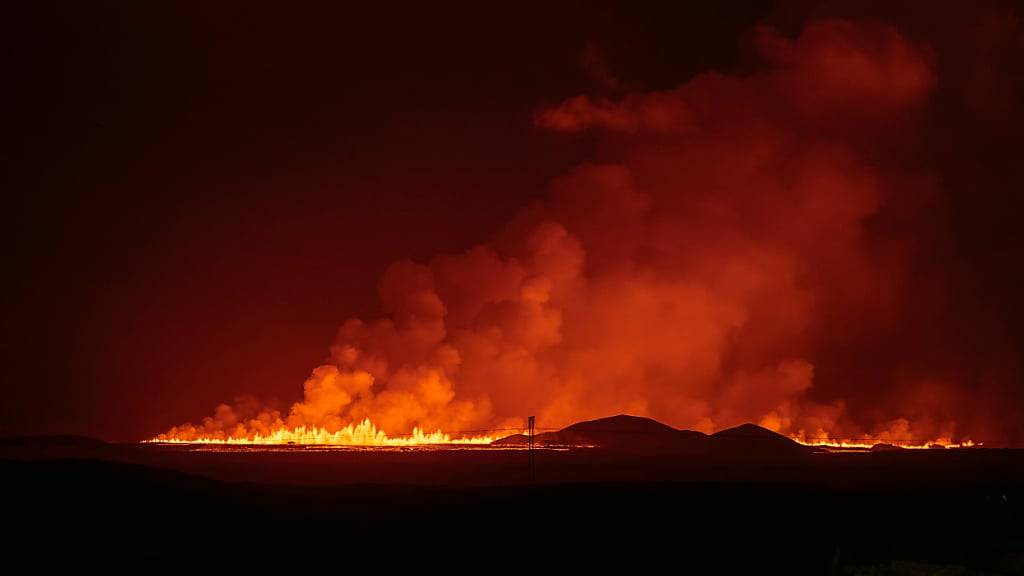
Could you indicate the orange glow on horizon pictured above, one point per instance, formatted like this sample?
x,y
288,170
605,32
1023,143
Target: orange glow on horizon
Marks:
x,y
868,443
364,433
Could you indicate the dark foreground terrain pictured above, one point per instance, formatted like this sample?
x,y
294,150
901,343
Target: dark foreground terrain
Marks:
x,y
900,512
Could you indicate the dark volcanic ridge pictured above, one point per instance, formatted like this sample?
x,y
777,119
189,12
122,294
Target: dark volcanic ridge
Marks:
x,y
617,449
51,441
621,433
638,434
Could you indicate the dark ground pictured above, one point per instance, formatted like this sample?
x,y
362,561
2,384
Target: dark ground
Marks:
x,y
906,512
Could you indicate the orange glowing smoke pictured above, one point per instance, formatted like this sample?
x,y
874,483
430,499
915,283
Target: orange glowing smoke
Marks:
x,y
739,237
898,435
317,420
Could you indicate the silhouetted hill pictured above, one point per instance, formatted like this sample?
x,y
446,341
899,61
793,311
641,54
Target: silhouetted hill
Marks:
x,y
637,434
621,424
55,446
750,431
753,441
633,433
622,432
883,447
545,439
64,440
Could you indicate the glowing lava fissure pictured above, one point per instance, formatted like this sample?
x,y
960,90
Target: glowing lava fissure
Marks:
x,y
875,443
362,434
366,434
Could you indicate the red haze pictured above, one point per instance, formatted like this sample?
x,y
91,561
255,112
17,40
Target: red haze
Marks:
x,y
737,250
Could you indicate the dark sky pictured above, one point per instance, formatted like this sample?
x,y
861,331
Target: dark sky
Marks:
x,y
204,193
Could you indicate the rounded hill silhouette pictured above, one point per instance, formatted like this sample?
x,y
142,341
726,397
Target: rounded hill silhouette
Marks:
x,y
627,433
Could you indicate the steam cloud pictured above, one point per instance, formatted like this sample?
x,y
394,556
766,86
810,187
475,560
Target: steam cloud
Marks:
x,y
735,252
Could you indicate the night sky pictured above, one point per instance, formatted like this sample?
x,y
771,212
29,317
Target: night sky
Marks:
x,y
202,195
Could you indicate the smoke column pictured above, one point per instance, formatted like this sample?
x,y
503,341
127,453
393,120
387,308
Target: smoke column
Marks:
x,y
754,248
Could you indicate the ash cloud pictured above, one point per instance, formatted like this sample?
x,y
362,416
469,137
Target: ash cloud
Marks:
x,y
742,248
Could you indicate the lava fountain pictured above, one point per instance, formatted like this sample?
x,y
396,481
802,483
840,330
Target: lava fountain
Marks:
x,y
362,434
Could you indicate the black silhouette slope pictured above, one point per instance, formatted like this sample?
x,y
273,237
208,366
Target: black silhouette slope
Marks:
x,y
51,440
636,434
622,432
53,446
630,433
751,440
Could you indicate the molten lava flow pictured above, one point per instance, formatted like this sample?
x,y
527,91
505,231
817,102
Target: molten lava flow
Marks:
x,y
868,443
361,434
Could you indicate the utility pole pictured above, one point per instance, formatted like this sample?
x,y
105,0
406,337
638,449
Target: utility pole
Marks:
x,y
533,474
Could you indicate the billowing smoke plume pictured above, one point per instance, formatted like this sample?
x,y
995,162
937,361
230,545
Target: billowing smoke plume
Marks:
x,y
739,249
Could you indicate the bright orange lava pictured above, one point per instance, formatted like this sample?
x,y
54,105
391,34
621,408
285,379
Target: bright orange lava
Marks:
x,y
361,434
365,433
868,443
